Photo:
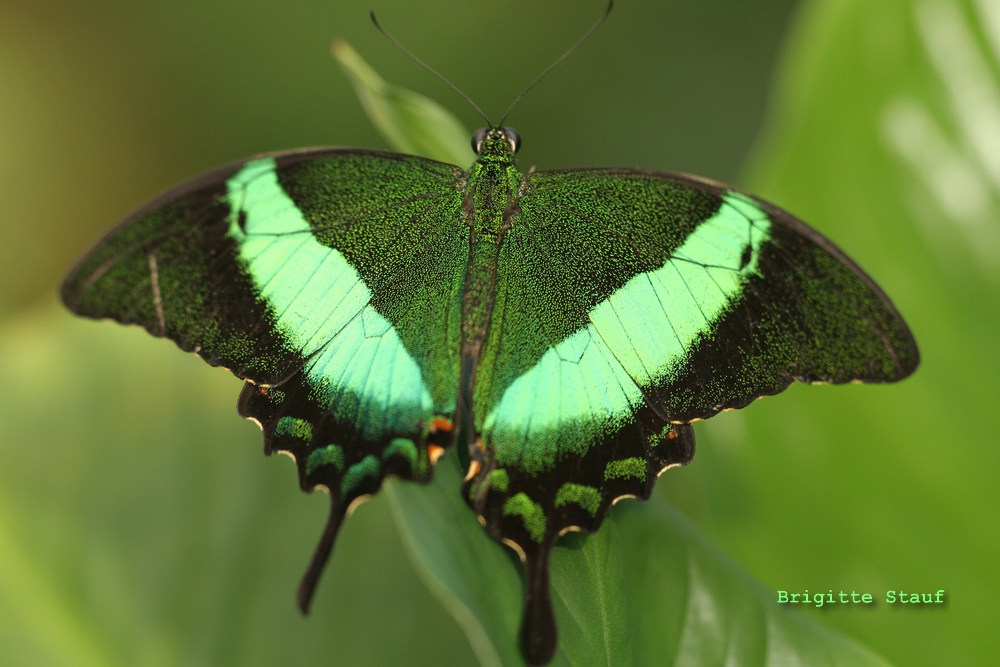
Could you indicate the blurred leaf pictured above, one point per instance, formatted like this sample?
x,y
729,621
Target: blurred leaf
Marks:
x,y
885,136
409,122
688,602
140,525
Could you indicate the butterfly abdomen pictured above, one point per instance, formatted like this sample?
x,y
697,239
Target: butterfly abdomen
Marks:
x,y
490,205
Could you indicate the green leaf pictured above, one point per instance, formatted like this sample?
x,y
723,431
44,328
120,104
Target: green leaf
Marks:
x,y
646,589
409,122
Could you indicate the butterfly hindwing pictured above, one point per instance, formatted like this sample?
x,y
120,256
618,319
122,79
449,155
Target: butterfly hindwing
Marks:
x,y
331,281
529,509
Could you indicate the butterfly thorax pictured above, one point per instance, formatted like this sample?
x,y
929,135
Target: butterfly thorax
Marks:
x,y
491,194
490,208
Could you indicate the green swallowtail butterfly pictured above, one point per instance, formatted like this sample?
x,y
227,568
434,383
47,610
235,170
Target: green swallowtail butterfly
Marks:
x,y
562,329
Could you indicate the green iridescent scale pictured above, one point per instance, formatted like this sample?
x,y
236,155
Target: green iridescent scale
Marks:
x,y
562,329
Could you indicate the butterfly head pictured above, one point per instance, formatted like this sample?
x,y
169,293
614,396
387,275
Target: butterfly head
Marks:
x,y
496,142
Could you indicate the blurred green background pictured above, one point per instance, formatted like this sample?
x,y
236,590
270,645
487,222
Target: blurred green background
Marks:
x,y
139,524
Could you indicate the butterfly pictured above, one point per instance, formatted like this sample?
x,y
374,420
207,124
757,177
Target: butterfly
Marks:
x,y
560,329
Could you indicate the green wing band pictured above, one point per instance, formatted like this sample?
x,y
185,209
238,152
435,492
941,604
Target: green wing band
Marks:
x,y
320,304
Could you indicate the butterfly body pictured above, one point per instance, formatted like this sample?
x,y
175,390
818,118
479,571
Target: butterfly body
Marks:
x,y
561,329
488,209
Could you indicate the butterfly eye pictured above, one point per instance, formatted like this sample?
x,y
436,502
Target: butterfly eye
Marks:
x,y
513,138
477,139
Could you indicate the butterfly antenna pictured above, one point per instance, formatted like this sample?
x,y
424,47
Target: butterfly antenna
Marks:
x,y
611,4
429,69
